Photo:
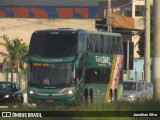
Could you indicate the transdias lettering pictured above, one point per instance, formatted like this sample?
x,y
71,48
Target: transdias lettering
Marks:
x,y
102,59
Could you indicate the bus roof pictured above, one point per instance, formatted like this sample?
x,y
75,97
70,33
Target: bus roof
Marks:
x,y
79,30
54,30
103,33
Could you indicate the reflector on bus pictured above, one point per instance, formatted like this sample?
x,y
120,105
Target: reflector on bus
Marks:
x,y
37,64
41,64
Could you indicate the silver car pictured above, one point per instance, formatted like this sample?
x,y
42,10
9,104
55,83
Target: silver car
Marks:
x,y
136,90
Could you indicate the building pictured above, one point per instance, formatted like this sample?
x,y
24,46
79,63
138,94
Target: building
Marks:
x,y
128,19
127,8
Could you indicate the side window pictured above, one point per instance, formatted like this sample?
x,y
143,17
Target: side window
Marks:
x,y
82,42
110,44
89,44
97,43
97,75
113,45
148,86
139,86
91,76
106,44
119,40
17,86
93,42
102,45
116,47
80,69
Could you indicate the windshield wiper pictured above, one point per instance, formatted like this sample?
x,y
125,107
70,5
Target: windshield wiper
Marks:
x,y
36,84
36,56
62,84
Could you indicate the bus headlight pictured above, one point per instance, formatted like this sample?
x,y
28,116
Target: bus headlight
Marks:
x,y
32,92
67,91
70,92
6,96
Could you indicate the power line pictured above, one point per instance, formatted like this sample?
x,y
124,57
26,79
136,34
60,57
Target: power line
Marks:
x,y
12,26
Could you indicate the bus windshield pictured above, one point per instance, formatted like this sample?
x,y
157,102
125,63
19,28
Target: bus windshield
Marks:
x,y
51,44
51,75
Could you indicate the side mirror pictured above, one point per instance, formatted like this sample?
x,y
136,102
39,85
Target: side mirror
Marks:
x,y
14,89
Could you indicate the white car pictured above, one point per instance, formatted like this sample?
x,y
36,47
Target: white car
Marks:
x,y
148,89
137,90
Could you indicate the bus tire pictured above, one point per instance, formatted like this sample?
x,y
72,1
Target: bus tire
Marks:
x,y
110,95
91,95
86,95
115,95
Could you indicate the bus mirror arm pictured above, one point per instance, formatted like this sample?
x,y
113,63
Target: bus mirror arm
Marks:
x,y
74,81
21,65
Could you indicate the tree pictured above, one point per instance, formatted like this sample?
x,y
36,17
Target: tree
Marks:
x,y
142,38
15,48
141,45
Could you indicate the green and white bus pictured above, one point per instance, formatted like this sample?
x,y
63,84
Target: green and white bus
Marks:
x,y
70,66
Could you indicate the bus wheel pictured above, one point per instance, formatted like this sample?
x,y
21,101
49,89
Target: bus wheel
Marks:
x,y
91,95
86,95
110,95
115,94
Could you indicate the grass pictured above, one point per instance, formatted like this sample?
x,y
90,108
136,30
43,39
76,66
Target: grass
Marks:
x,y
113,108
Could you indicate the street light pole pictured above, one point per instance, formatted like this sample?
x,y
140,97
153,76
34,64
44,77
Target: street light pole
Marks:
x,y
147,43
156,62
109,19
128,69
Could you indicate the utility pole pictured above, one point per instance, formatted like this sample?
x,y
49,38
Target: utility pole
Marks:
x,y
109,19
156,62
147,43
128,70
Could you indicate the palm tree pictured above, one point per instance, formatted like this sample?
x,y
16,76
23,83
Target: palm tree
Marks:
x,y
15,49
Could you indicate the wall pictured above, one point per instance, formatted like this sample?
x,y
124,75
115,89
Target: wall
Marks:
x,y
66,12
23,28
50,2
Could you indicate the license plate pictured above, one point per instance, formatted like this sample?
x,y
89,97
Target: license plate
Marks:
x,y
50,100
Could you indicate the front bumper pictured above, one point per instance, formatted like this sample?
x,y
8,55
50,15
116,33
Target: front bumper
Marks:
x,y
6,101
52,100
129,99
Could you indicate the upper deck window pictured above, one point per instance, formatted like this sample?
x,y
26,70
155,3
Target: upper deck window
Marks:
x,y
107,44
50,44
